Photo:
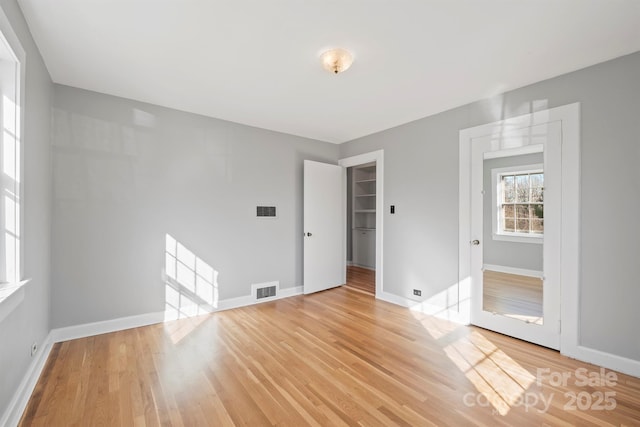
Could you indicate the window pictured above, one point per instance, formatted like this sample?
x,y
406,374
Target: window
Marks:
x,y
10,166
519,204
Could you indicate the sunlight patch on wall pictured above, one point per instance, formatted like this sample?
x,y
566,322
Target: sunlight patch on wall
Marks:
x,y
452,303
191,285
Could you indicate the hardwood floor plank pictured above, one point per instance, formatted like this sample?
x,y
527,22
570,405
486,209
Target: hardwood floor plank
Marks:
x,y
338,357
362,279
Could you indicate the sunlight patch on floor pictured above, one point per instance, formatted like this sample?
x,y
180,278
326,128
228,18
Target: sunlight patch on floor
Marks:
x,y
179,329
492,372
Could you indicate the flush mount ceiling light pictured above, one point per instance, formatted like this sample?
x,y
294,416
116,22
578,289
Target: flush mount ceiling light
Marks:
x,y
336,60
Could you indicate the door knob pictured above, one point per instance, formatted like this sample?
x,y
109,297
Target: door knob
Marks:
x,y
475,242
309,234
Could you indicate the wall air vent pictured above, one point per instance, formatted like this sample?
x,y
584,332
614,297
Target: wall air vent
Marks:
x,y
265,291
266,211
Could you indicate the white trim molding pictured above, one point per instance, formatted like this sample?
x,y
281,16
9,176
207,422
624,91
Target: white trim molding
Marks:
x,y
514,270
451,314
122,323
608,360
18,403
11,295
497,195
106,326
569,117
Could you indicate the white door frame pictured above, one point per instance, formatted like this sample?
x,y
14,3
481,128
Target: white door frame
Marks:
x,y
569,117
378,157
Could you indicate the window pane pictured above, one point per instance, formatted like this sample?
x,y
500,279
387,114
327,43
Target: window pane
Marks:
x,y
522,188
537,194
537,211
522,211
508,189
537,226
522,225
508,211
509,225
537,180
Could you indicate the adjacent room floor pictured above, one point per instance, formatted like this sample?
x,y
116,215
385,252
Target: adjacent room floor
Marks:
x,y
362,279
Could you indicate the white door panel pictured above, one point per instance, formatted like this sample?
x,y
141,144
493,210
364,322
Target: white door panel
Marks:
x,y
324,226
523,141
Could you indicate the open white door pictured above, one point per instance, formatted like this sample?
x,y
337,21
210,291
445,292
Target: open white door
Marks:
x,y
324,226
506,297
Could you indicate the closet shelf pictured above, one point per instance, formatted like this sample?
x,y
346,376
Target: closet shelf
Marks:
x,y
366,180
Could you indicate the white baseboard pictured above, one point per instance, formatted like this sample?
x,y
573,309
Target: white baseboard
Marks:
x,y
366,267
122,323
604,359
105,326
18,403
514,270
250,300
446,313
394,299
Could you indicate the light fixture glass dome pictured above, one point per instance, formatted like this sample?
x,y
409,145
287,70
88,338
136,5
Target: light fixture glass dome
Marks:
x,y
336,60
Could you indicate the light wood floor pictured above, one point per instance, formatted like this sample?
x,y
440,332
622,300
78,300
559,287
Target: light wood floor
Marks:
x,y
513,295
362,279
338,357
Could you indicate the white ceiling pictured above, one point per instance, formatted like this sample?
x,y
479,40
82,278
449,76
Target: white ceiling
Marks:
x,y
256,62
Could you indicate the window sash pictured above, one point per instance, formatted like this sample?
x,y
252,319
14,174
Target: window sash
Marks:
x,y
10,174
519,224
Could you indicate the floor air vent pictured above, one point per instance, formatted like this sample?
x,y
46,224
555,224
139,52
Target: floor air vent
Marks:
x,y
265,290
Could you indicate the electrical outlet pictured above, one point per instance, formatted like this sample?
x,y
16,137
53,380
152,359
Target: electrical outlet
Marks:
x,y
34,348
417,292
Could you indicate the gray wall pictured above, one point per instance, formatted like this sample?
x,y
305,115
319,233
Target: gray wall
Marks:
x,y
421,179
500,252
127,173
29,321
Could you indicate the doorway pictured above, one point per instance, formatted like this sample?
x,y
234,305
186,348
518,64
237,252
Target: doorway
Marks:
x,y
518,218
363,192
361,227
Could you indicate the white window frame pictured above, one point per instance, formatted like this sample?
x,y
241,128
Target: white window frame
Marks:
x,y
11,292
496,195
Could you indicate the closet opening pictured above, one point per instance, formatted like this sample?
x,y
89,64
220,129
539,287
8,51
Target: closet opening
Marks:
x,y
361,227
